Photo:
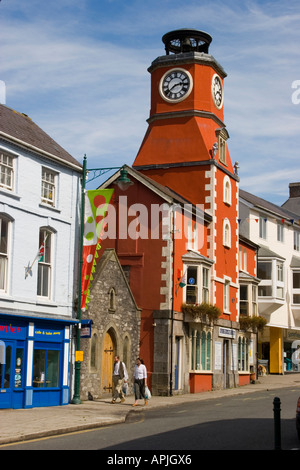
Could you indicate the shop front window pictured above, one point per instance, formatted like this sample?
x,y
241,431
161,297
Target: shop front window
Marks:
x,y
5,366
46,368
243,354
201,350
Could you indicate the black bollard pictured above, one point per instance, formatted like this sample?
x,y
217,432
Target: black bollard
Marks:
x,y
277,424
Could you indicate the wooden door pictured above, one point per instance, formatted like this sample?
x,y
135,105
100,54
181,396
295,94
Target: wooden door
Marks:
x,y
108,355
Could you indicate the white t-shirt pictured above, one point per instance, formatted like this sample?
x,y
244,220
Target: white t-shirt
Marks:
x,y
140,372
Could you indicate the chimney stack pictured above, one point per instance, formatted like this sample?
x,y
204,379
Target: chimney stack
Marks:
x,y
294,189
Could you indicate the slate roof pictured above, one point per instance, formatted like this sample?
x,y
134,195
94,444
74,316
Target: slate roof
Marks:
x,y
295,263
267,206
265,252
19,128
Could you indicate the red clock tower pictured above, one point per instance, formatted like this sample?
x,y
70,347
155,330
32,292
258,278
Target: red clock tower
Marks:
x,y
184,159
185,149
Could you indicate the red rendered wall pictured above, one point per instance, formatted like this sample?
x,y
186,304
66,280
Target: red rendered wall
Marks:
x,y
200,383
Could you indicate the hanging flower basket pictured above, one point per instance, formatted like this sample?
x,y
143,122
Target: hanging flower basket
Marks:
x,y
202,313
255,324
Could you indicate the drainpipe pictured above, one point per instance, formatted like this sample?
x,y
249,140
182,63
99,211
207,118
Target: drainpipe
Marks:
x,y
76,398
172,305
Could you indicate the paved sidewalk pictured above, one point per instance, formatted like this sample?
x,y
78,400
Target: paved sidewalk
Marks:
x,y
25,424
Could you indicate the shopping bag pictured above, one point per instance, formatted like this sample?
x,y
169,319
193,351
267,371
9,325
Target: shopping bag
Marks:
x,y
125,388
147,393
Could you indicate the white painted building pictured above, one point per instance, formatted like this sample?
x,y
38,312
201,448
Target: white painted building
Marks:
x,y
276,231
39,209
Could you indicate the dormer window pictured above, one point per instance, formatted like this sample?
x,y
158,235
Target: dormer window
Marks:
x,y
222,136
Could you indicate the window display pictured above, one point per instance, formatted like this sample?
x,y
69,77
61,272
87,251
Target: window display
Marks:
x,y
46,368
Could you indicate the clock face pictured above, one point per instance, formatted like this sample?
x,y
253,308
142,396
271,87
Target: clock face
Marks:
x,y
217,91
175,85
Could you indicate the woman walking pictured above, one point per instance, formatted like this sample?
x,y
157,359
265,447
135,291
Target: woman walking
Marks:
x,y
140,381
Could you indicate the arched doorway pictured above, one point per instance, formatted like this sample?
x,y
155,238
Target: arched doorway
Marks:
x,y
108,354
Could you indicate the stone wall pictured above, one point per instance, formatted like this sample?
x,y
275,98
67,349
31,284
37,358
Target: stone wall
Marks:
x,y
113,311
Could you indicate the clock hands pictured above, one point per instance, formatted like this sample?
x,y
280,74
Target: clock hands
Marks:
x,y
176,84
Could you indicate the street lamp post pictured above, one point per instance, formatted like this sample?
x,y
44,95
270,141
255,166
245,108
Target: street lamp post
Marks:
x,y
123,182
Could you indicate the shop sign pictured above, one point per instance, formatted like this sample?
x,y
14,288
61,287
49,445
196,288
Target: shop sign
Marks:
x,y
226,332
292,335
44,334
11,331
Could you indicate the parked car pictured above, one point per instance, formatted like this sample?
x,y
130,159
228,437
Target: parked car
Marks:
x,y
298,418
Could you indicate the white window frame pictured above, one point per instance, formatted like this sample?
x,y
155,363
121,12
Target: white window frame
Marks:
x,y
49,187
202,285
241,258
296,240
295,290
226,296
251,300
263,227
7,170
277,278
226,233
254,293
245,301
45,264
227,191
280,232
4,255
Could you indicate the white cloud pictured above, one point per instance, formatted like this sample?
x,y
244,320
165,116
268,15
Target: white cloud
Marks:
x,y
80,71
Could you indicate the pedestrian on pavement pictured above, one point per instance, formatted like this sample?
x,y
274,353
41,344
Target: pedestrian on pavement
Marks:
x,y
140,381
120,375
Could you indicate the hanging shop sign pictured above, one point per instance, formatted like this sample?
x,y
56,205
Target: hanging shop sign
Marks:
x,y
86,328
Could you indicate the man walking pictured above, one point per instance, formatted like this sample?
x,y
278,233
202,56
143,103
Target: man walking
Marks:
x,y
120,375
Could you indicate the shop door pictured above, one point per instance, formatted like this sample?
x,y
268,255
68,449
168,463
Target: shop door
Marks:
x,y
6,374
108,355
226,363
177,363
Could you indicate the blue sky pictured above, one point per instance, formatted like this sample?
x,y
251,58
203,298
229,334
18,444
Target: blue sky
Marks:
x,y
79,70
